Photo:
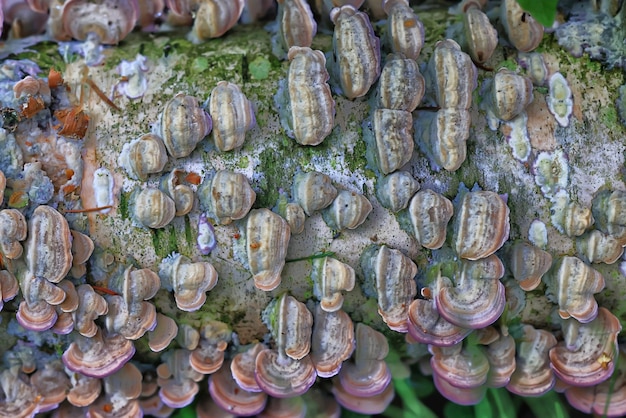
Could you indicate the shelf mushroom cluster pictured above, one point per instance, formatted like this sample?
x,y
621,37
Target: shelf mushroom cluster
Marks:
x,y
462,296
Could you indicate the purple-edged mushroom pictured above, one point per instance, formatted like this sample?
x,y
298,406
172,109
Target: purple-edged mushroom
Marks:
x,y
585,358
98,356
332,341
228,395
428,327
533,376
242,368
368,374
477,299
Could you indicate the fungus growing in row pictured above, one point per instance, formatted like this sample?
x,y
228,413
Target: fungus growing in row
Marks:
x,y
267,238
332,341
393,276
287,370
231,398
190,281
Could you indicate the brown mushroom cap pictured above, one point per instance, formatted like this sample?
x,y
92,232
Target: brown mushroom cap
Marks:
x,y
230,397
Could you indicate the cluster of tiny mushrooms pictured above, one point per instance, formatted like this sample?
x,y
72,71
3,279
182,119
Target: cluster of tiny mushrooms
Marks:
x,y
469,295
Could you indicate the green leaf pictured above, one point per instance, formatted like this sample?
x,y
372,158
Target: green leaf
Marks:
x,y
502,403
452,410
411,401
186,412
548,405
544,11
484,409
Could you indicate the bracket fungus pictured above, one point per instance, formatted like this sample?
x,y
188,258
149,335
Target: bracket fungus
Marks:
x,y
396,190
523,31
183,124
242,368
331,277
367,375
163,334
429,214
110,20
208,357
98,356
480,35
533,376
405,29
287,370
267,238
142,156
426,326
181,194
311,105
393,276
233,116
477,298
573,283
585,357
190,281
177,379
401,86
296,25
393,132
528,264
8,287
332,341
230,397
153,208
459,373
227,195
313,191
356,51
13,229
481,226
347,211
213,18
49,244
